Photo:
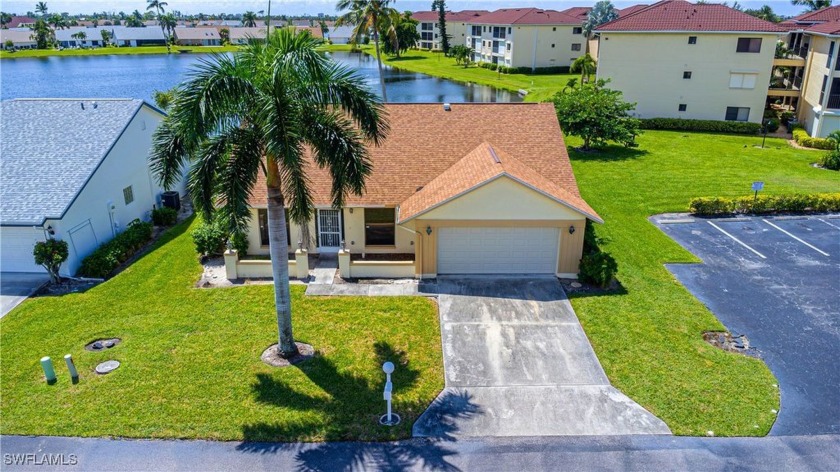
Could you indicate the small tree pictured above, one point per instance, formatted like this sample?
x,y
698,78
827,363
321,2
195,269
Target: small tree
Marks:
x,y
462,54
10,45
224,34
406,35
596,114
585,65
51,254
106,37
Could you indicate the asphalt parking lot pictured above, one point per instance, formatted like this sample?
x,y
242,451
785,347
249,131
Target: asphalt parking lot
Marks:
x,y
777,281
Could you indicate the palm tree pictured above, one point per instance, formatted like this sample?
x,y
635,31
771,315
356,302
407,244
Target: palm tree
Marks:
x,y
157,6
258,111
79,36
5,19
601,13
168,24
57,21
585,65
41,7
249,18
812,5
369,16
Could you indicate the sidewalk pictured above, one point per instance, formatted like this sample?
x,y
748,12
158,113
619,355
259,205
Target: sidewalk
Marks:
x,y
625,453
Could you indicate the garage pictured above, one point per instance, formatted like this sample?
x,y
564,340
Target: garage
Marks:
x,y
16,246
497,250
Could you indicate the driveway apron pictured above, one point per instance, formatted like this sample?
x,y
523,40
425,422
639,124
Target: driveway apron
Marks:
x,y
517,363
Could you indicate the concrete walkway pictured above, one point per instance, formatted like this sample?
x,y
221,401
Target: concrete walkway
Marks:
x,y
326,269
15,287
603,453
517,363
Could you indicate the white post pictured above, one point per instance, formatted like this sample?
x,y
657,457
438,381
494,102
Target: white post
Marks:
x,y
74,374
344,263
49,371
302,264
390,419
231,259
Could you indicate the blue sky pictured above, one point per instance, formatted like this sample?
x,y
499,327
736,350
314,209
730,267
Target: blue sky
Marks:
x,y
296,7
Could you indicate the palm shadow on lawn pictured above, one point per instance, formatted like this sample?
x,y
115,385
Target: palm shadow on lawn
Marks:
x,y
352,395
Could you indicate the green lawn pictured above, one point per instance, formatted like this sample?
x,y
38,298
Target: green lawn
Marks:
x,y
113,51
648,339
191,360
540,87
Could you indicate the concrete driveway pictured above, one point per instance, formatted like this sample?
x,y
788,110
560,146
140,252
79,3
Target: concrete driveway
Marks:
x,y
15,287
517,363
775,280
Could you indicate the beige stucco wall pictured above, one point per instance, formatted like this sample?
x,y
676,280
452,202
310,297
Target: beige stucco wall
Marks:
x,y
455,29
530,45
817,118
648,68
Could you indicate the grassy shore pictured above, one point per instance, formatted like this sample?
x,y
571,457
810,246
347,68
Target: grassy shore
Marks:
x,y
24,53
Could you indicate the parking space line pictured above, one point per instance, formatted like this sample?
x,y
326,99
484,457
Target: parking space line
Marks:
x,y
737,240
829,224
798,239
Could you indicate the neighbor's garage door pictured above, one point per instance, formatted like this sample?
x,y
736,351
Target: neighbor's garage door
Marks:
x,y
497,250
16,245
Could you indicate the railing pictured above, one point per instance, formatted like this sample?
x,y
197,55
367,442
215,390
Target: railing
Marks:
x,y
833,101
787,84
800,52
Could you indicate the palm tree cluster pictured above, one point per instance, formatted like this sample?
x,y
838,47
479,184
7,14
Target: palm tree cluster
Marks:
x,y
167,22
249,19
258,112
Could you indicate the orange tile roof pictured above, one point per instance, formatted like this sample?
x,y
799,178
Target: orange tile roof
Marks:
x,y
425,141
481,166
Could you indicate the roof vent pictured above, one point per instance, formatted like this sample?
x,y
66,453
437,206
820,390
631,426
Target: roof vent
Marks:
x,y
447,107
493,153
95,105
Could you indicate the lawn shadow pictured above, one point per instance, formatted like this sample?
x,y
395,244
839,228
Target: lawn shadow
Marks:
x,y
588,291
407,58
609,153
354,396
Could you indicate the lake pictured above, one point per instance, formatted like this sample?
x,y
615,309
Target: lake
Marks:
x,y
127,76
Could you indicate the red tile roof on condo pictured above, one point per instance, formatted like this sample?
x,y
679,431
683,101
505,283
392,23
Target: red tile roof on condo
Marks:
x,y
425,141
465,15
526,16
631,9
829,27
577,12
16,21
819,16
679,15
481,166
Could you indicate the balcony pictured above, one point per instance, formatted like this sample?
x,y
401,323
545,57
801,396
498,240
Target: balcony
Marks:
x,y
791,57
785,87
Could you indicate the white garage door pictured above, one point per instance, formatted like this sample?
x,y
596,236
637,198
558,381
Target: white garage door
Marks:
x,y
497,250
16,245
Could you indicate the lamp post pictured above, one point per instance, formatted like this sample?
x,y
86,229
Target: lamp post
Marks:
x,y
389,418
766,124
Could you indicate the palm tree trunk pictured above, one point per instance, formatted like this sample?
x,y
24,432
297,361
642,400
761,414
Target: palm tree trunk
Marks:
x,y
379,63
279,253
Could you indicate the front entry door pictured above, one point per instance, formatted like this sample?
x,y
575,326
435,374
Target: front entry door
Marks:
x,y
329,230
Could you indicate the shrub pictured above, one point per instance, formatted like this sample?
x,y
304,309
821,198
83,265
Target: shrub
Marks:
x,y
772,125
831,160
770,114
801,137
786,117
209,239
239,241
51,254
796,203
714,126
164,216
101,262
598,268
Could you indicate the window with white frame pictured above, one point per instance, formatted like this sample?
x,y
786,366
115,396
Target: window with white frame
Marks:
x,y
742,80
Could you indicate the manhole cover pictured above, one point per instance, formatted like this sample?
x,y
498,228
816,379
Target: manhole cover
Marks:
x,y
107,367
102,344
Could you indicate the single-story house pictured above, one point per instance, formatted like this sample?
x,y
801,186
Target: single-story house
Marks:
x,y
197,36
21,38
92,36
456,192
340,34
75,170
243,34
20,22
134,37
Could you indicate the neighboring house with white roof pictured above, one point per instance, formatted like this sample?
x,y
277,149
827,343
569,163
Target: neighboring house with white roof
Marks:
x,y
197,36
135,37
93,36
21,38
245,33
428,27
677,59
340,34
73,169
526,37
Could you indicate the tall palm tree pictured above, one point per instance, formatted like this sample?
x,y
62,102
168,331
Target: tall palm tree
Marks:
x,y
57,21
369,16
258,111
41,7
168,22
812,5
249,18
157,6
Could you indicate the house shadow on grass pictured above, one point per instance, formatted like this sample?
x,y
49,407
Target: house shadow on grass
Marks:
x,y
609,153
351,410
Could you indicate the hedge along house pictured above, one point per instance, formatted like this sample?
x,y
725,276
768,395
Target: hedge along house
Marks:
x,y
453,192
75,170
